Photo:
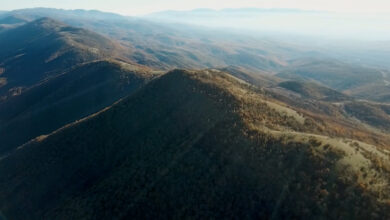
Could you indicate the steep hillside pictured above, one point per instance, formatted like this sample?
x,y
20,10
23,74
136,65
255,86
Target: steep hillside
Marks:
x,y
77,93
45,47
196,144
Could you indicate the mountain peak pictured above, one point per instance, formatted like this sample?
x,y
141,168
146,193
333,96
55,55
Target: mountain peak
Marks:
x,y
47,23
203,134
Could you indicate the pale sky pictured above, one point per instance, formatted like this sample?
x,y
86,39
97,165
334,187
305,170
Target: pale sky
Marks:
x,y
139,7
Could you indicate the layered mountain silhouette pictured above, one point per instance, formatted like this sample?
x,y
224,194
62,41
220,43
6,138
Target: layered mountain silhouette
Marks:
x,y
169,46
165,46
194,143
61,75
104,125
46,47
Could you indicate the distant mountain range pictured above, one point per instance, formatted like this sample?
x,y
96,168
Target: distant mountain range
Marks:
x,y
50,48
245,12
110,117
226,11
326,24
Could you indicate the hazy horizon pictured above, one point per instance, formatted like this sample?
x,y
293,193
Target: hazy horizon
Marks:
x,y
297,21
141,7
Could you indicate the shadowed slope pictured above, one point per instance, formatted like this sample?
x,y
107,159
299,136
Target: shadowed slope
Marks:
x,y
67,97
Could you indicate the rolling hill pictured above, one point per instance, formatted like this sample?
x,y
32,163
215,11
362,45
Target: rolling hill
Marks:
x,y
356,80
314,91
322,100
332,73
197,144
45,48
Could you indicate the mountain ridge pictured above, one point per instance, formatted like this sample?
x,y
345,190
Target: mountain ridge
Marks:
x,y
141,120
24,63
70,96
233,143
